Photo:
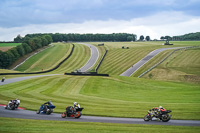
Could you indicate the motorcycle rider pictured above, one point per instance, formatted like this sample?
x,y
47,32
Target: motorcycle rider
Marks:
x,y
17,102
76,105
156,111
72,109
160,110
49,103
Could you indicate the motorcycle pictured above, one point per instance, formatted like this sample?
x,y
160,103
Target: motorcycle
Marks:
x,y
45,109
163,115
12,105
71,112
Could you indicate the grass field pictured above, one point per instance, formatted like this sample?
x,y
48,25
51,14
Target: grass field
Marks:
x,y
46,59
35,126
78,59
6,46
106,96
52,56
183,66
113,96
119,60
9,44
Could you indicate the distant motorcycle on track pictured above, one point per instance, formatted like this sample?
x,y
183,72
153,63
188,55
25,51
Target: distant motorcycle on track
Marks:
x,y
72,112
13,104
45,109
162,115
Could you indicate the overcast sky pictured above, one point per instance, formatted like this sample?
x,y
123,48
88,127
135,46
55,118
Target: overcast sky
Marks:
x,y
155,18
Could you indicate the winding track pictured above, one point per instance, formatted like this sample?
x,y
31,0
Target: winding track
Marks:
x,y
93,58
140,63
26,114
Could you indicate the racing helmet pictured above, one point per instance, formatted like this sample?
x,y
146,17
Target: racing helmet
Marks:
x,y
75,104
160,107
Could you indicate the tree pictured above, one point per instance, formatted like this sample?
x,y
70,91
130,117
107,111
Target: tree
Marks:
x,y
15,53
147,38
18,39
44,41
141,38
27,48
20,50
162,37
130,38
49,38
38,42
168,38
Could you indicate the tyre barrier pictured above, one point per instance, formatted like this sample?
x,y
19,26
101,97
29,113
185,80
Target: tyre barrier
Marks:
x,y
96,69
86,74
50,70
165,59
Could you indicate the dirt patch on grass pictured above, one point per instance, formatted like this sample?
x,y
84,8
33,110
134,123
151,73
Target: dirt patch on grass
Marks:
x,y
192,78
5,48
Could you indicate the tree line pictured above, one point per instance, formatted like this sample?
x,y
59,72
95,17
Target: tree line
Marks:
x,y
28,45
59,37
186,37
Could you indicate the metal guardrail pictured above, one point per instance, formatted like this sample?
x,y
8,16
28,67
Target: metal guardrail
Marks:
x,y
165,59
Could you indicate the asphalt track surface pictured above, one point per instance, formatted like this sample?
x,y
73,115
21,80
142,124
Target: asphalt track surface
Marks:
x,y
26,114
12,80
140,63
93,58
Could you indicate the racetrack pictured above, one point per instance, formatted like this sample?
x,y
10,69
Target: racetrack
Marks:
x,y
140,63
12,80
26,114
94,57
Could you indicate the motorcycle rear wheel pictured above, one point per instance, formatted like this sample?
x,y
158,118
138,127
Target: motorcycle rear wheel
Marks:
x,y
63,115
49,111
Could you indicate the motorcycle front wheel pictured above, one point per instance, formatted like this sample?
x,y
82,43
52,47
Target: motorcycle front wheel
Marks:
x,y
165,118
12,107
78,114
146,118
38,111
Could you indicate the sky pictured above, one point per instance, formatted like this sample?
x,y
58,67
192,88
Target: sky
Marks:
x,y
154,18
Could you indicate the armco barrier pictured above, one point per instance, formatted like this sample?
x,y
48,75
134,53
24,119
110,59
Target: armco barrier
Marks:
x,y
96,69
46,70
86,74
165,59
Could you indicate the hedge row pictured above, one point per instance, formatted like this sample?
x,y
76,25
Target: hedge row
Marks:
x,y
28,45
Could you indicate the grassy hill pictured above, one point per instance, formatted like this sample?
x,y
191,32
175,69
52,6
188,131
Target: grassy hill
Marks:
x,y
119,60
183,66
106,96
46,59
113,96
49,58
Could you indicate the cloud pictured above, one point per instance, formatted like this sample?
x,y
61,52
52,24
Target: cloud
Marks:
x,y
157,25
16,13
